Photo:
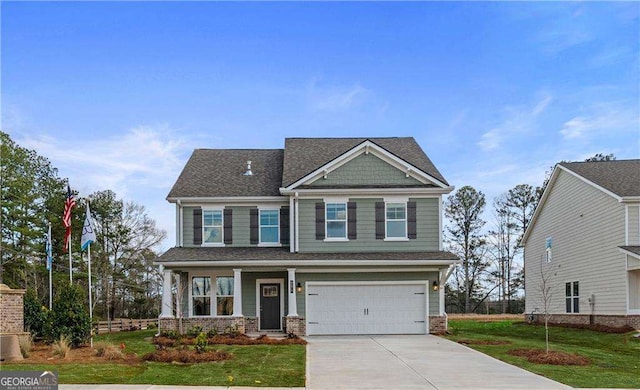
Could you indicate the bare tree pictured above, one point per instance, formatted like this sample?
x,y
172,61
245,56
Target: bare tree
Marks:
x,y
545,288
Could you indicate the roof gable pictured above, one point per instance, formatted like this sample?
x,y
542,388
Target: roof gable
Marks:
x,y
306,159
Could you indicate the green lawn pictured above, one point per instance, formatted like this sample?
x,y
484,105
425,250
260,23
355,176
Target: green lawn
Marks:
x,y
254,365
615,358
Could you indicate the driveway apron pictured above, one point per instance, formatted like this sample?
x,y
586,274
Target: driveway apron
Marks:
x,y
410,362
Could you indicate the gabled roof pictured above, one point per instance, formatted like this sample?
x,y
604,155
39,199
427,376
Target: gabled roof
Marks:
x,y
304,155
617,178
621,177
220,173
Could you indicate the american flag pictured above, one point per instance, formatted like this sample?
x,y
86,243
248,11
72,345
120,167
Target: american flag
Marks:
x,y
69,203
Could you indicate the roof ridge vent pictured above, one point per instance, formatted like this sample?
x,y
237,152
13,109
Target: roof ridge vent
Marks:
x,y
248,172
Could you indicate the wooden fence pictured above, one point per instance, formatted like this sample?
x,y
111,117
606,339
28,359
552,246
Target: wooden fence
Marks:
x,y
120,324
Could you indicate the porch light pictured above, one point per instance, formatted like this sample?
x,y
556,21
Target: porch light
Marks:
x,y
435,286
299,288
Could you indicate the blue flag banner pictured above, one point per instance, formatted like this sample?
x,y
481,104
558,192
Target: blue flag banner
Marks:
x,y
48,250
88,232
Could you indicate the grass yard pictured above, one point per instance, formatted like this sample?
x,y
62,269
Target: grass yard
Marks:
x,y
614,358
252,365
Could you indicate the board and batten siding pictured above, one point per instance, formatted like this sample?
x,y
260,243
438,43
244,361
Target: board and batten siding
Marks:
x,y
633,220
240,226
302,277
365,169
586,226
427,238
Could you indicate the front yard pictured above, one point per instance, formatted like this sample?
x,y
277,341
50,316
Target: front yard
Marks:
x,y
614,359
250,365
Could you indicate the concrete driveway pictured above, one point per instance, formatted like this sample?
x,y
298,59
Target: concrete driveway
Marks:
x,y
410,362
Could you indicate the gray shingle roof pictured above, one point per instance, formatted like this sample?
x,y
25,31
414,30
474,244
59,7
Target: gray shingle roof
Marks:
x,y
304,155
622,177
632,249
254,253
220,172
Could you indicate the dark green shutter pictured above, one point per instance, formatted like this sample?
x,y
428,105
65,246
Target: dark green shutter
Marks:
x,y
411,220
284,226
320,221
351,221
228,226
197,226
253,227
380,221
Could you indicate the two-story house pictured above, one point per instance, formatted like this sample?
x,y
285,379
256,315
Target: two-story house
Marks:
x,y
583,245
325,236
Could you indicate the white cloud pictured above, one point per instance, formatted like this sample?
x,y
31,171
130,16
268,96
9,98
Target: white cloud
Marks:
x,y
335,98
517,121
603,118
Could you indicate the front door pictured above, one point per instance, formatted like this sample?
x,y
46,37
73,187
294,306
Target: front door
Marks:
x,y
269,306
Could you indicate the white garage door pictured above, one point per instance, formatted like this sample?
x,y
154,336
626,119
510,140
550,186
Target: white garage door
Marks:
x,y
366,308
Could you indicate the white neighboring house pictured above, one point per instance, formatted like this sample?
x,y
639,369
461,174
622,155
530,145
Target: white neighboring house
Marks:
x,y
585,237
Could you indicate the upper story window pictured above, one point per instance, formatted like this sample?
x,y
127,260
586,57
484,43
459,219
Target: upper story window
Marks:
x,y
336,220
212,226
269,226
572,297
396,220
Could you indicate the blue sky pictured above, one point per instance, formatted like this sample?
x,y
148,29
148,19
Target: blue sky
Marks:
x,y
118,94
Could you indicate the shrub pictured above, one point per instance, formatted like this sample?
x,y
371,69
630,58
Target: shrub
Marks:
x,y
26,344
212,333
35,315
201,342
152,325
62,346
107,350
194,331
69,316
171,334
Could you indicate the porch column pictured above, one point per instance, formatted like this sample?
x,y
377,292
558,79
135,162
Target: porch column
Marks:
x,y
237,292
293,305
167,294
441,283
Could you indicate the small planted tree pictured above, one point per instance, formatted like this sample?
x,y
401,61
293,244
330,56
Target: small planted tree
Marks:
x,y
69,316
546,294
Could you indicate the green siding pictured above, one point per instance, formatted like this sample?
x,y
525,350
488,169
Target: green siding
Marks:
x,y
187,226
249,290
427,229
434,307
366,169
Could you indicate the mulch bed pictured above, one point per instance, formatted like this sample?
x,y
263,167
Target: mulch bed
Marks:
x,y
228,340
484,342
186,356
43,354
540,356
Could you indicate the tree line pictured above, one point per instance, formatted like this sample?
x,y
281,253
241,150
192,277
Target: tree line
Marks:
x,y
491,257
125,282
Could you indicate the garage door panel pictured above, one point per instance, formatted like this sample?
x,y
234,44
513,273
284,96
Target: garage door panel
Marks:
x,y
366,309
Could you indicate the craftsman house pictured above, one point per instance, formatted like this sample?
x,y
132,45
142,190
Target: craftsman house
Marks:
x,y
325,236
584,241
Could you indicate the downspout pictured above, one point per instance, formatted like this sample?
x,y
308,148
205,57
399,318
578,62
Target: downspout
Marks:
x,y
297,222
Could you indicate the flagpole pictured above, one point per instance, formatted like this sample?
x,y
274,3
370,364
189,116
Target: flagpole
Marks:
x,y
90,300
70,264
49,263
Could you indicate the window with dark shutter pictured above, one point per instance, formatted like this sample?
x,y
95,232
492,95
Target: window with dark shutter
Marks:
x,y
380,220
411,220
320,221
253,227
228,226
351,221
197,226
284,226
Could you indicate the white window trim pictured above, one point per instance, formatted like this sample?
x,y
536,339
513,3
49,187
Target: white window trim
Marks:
x,y
267,244
572,297
212,295
215,295
346,220
221,243
406,219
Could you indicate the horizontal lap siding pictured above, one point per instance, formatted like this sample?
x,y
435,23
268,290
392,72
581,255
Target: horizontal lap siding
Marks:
x,y
187,226
634,225
586,226
368,276
427,229
249,290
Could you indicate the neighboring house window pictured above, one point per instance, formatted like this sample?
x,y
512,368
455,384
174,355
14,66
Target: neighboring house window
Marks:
x,y
201,295
336,220
224,295
548,255
396,221
269,226
572,297
212,226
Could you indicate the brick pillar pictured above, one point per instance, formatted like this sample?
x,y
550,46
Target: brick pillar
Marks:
x,y
11,310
